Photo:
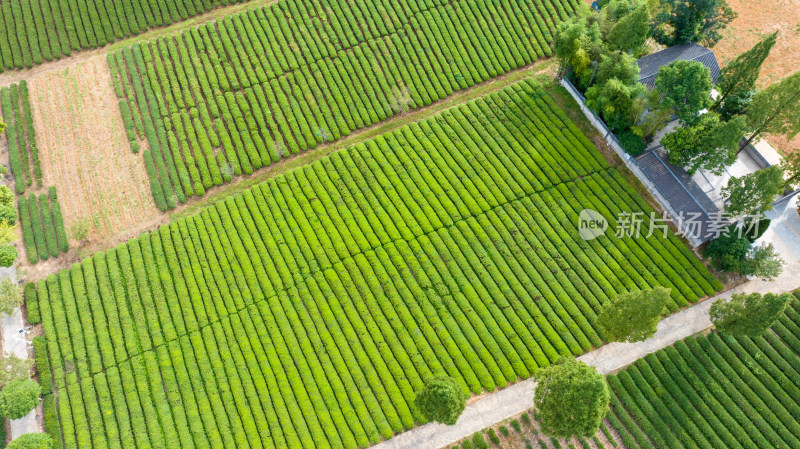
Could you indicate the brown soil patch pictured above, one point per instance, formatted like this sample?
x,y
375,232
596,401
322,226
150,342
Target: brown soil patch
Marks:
x,y
756,19
84,151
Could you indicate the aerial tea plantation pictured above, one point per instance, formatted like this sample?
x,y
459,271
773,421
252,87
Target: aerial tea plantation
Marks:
x,y
245,91
714,391
307,310
35,31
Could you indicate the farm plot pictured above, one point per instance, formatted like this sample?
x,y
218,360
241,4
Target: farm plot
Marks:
x,y
714,391
34,31
42,225
240,93
307,310
83,151
23,154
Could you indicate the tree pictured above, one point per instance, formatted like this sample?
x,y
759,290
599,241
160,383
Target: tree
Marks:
x,y
13,368
6,196
685,21
10,297
32,441
8,255
748,315
707,144
631,32
762,261
753,194
654,119
618,103
736,104
18,398
571,398
8,214
791,167
740,75
686,87
619,65
8,233
633,316
441,400
576,45
728,251
776,109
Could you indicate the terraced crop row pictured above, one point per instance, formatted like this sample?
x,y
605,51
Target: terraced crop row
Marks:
x,y
34,31
714,391
232,96
307,310
21,134
42,226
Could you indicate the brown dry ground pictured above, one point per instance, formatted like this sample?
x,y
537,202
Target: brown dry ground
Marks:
x,y
756,19
85,154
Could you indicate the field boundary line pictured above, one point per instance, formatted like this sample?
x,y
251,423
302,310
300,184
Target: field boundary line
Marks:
x,y
219,193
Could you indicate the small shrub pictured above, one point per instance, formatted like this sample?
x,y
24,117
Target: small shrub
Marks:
x,y
6,196
515,425
526,419
493,436
479,442
18,398
8,254
631,143
8,214
504,430
32,441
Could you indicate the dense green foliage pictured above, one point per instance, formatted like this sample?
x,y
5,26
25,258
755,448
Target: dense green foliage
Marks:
x,y
8,255
442,400
714,392
309,309
708,143
32,441
753,193
739,76
42,226
685,87
18,398
633,316
571,398
231,96
34,31
748,314
10,297
681,22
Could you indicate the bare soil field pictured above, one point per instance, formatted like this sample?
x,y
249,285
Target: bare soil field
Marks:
x,y
85,154
756,19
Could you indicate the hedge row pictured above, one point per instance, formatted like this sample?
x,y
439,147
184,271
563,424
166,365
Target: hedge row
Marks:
x,y
22,150
307,310
34,31
234,95
42,226
714,391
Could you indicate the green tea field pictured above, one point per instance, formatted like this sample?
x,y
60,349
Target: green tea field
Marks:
x,y
306,311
